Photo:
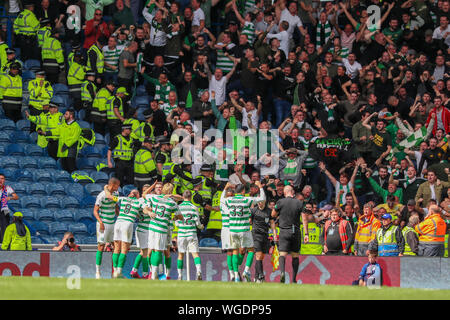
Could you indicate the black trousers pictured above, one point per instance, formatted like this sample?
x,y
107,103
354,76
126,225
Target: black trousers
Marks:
x,y
125,171
13,111
28,47
115,127
52,148
33,112
52,74
4,222
69,164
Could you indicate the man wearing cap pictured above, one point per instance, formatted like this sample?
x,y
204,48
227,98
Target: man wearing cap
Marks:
x,y
76,46
25,27
47,124
389,239
44,31
10,59
164,163
52,57
144,166
147,128
75,78
121,149
100,107
41,92
69,134
17,235
88,92
96,59
11,93
115,112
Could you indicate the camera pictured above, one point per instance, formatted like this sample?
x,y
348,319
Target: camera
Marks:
x,y
72,240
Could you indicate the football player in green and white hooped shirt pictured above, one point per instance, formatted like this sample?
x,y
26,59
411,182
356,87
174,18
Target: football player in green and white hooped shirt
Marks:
x,y
105,213
225,232
160,208
187,234
239,223
123,229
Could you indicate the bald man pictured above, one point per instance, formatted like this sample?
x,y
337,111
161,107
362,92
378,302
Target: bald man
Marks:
x,y
432,233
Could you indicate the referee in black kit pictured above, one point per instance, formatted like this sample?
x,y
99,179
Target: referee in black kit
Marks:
x,y
289,209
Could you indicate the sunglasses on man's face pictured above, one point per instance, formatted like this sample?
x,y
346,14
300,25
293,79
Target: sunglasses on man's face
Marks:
x,y
98,14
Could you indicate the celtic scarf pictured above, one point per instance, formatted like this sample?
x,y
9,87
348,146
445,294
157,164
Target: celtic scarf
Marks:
x,y
327,33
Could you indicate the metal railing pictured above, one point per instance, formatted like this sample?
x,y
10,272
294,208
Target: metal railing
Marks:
x,y
9,24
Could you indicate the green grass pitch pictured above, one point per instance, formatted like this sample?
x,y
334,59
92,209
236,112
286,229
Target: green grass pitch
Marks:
x,y
106,289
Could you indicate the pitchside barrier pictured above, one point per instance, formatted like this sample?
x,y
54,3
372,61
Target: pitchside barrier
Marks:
x,y
406,272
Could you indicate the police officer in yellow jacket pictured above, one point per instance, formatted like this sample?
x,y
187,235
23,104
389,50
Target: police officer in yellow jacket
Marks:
x,y
11,93
76,47
52,57
47,126
88,92
115,112
144,165
44,31
97,114
10,59
75,78
17,235
121,149
164,163
41,92
3,48
96,60
25,27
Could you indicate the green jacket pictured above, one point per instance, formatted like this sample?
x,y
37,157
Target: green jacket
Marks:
x,y
384,193
221,121
13,241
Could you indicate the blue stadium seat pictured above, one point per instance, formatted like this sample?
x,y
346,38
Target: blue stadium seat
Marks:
x,y
50,203
99,138
62,176
85,216
42,228
36,240
94,189
80,115
88,202
46,163
100,177
23,125
32,64
75,190
29,215
84,124
28,163
9,163
65,215
57,229
28,75
19,187
15,150
92,228
20,137
25,176
79,229
45,215
89,240
69,203
2,114
7,125
127,189
208,242
33,137
91,152
36,189
141,91
42,175
15,205
87,164
59,88
55,189
5,136
34,150
30,202
2,149
140,102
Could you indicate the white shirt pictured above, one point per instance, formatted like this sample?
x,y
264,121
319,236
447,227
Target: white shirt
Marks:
x,y
254,118
197,17
234,179
294,21
283,36
352,69
433,193
219,86
439,34
157,37
14,6
9,192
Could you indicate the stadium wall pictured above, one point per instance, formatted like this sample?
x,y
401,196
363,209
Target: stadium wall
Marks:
x,y
407,272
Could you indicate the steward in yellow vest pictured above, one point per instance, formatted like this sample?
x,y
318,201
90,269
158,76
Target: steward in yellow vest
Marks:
x,y
315,243
10,59
121,149
11,93
26,26
44,31
41,92
164,163
88,93
47,126
52,57
3,48
99,107
389,239
96,59
17,235
75,78
115,112
144,165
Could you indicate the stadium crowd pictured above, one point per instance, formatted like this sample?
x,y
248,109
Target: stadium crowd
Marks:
x,y
345,111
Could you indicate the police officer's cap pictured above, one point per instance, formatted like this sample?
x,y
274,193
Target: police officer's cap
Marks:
x,y
10,51
76,45
206,167
196,181
148,113
53,105
148,140
45,21
90,74
15,65
126,126
40,73
110,82
164,141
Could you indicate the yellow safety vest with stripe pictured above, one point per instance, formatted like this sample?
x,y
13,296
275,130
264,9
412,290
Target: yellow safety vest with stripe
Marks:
x,y
215,217
85,94
136,129
446,246
100,63
168,165
185,184
205,191
124,149
110,109
69,135
48,123
26,23
405,231
52,53
3,56
39,95
387,243
7,65
100,103
11,90
70,58
142,131
313,246
198,205
144,165
75,76
43,33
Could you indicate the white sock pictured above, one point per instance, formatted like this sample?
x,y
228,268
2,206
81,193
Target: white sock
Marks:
x,y
247,269
231,274
199,268
167,272
180,273
160,269
97,268
134,269
236,274
119,270
154,272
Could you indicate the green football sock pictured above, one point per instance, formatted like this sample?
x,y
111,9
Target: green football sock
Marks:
x,y
179,264
230,262
145,265
115,259
122,259
249,259
235,263
98,257
241,258
168,262
197,261
158,258
137,261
